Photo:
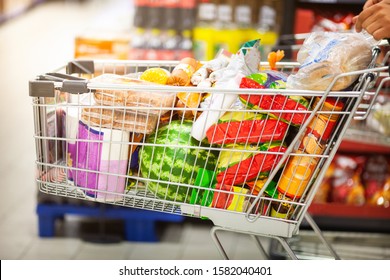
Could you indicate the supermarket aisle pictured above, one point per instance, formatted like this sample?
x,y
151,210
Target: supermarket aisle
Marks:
x,y
37,42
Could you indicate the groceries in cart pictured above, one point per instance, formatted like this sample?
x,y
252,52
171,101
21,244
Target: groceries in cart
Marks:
x,y
233,134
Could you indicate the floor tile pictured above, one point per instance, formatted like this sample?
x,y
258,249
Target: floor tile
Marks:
x,y
93,251
200,252
53,248
14,247
246,248
155,251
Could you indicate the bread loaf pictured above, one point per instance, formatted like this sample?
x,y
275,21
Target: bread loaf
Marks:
x,y
120,119
324,55
148,101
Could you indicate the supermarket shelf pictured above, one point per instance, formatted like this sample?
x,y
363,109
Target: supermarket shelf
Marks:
x,y
341,217
371,246
363,141
349,211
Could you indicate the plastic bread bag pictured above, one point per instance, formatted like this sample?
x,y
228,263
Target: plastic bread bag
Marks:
x,y
246,127
324,55
154,102
126,120
296,107
241,163
245,62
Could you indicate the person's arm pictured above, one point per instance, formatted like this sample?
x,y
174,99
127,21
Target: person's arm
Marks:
x,y
375,19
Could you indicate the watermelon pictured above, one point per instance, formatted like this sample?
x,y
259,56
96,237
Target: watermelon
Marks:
x,y
174,160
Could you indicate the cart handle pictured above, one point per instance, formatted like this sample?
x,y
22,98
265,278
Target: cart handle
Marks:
x,y
45,85
385,65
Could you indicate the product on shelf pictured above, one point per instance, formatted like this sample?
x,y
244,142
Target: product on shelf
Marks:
x,y
356,181
374,176
203,30
137,48
162,30
379,118
316,19
229,24
97,45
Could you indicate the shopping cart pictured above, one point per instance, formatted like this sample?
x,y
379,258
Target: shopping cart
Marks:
x,y
130,145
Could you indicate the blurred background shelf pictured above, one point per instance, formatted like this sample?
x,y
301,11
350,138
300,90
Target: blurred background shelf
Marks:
x,y
350,218
349,211
12,8
365,141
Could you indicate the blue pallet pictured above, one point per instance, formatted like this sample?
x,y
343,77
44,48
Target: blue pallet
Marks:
x,y
139,224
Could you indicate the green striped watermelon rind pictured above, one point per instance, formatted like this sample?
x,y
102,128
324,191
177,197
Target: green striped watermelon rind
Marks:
x,y
172,166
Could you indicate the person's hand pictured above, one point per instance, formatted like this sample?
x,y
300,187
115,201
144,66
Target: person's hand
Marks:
x,y
375,19
369,3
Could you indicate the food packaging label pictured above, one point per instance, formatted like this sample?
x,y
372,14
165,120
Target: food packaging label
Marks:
x,y
246,127
231,198
241,163
98,160
297,174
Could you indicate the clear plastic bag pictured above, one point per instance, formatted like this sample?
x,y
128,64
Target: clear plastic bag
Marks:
x,y
324,55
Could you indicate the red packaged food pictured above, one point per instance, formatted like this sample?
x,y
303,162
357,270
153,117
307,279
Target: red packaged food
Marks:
x,y
246,127
230,198
299,105
245,163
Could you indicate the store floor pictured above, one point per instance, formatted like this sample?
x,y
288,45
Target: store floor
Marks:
x,y
37,42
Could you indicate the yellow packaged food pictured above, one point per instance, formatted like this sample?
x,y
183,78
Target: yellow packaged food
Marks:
x,y
156,75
